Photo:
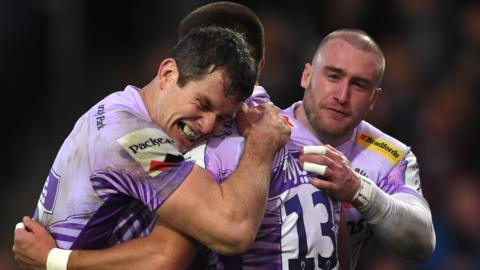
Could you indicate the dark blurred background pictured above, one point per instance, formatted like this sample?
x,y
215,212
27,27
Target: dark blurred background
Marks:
x,y
58,58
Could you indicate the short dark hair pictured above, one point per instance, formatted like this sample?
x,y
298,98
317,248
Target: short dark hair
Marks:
x,y
229,15
206,49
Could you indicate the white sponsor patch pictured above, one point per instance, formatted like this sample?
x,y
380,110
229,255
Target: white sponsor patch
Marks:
x,y
147,145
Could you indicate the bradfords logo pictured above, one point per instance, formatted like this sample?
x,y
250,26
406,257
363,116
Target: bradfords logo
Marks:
x,y
381,147
152,149
149,143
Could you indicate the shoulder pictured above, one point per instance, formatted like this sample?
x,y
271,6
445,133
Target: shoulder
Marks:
x,y
378,145
218,155
375,154
122,136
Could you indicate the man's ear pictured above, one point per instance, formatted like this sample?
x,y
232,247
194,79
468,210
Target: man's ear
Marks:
x,y
306,75
376,93
167,72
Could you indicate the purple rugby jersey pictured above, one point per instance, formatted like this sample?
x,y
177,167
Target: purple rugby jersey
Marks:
x,y
300,226
386,161
112,172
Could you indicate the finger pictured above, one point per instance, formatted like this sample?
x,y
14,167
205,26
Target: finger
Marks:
x,y
20,235
317,169
333,153
321,184
31,225
20,225
318,159
314,149
24,260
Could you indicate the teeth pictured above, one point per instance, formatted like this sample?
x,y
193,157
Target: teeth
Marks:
x,y
191,135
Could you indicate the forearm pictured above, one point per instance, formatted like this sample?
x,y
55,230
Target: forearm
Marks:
x,y
224,217
245,192
164,248
401,222
125,256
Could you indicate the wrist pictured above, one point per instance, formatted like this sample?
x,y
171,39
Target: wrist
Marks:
x,y
365,193
260,146
58,259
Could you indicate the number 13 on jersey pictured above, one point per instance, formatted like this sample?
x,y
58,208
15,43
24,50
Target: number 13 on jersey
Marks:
x,y
309,229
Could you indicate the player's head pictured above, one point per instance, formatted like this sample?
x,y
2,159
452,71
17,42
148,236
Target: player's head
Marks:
x,y
203,83
229,15
342,83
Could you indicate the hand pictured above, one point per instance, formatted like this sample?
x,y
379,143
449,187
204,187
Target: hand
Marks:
x,y
263,124
339,179
32,245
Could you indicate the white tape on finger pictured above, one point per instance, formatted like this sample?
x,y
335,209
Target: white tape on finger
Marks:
x,y
20,225
315,149
315,168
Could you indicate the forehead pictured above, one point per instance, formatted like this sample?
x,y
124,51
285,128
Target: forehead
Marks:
x,y
340,54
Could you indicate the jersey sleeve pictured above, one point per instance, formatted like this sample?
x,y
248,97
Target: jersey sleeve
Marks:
x,y
143,164
404,177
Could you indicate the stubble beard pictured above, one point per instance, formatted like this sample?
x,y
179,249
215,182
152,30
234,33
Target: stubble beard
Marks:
x,y
326,132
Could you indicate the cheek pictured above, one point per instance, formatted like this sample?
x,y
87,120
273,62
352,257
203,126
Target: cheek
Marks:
x,y
361,105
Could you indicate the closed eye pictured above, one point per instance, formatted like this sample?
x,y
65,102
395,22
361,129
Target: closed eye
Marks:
x,y
204,104
361,84
333,73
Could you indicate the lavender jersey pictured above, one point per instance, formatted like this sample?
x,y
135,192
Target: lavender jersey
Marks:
x,y
384,160
111,173
300,226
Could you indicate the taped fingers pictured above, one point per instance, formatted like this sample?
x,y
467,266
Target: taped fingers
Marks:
x,y
315,149
20,225
315,168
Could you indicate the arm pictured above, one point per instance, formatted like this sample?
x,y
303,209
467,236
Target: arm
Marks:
x,y
164,248
226,217
401,221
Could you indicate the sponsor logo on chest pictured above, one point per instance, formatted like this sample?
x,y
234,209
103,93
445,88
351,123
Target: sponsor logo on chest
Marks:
x,y
379,146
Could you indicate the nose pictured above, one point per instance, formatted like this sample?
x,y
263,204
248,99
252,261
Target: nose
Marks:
x,y
209,123
342,93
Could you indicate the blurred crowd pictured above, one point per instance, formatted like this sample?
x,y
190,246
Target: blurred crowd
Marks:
x,y
60,57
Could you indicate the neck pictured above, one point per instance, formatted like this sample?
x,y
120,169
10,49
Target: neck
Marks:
x,y
321,135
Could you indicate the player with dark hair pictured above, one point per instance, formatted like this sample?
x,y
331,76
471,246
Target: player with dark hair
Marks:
x,y
229,15
300,225
122,164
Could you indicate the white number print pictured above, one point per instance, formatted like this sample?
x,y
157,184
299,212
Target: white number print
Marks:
x,y
309,229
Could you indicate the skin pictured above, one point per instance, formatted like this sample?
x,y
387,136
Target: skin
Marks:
x,y
341,87
201,105
226,220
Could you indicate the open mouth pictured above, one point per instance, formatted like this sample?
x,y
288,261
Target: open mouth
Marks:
x,y
187,131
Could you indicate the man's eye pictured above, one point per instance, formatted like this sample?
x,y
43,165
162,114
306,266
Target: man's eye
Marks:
x,y
360,85
203,107
333,77
224,119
